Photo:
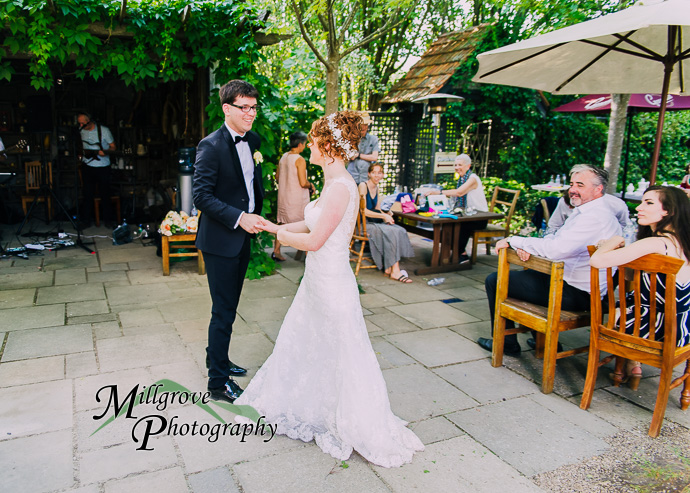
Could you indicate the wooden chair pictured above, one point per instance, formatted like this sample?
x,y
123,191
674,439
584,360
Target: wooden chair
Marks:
x,y
177,242
360,234
548,321
612,338
34,181
488,236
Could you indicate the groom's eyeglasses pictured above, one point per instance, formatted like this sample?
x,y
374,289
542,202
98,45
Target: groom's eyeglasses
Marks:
x,y
246,108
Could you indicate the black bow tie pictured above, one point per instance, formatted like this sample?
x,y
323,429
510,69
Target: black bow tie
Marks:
x,y
245,138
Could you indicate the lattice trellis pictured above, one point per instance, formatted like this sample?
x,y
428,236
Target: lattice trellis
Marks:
x,y
387,127
476,142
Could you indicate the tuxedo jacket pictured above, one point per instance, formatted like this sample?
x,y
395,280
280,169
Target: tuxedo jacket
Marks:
x,y
220,192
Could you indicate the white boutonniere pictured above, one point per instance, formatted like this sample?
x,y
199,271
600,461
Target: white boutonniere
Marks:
x,y
258,157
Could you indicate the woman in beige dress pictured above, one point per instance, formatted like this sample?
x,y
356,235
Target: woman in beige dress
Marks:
x,y
293,186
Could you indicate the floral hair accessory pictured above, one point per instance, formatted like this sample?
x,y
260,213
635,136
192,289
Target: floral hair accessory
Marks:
x,y
350,153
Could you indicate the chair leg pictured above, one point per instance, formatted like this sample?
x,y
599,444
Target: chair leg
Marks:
x,y
591,380
618,375
97,211
499,341
550,350
661,400
685,394
475,239
165,250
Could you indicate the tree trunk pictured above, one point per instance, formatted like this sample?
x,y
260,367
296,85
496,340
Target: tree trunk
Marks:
x,y
332,93
614,146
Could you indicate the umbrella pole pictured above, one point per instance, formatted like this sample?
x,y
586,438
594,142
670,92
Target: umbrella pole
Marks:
x,y
668,69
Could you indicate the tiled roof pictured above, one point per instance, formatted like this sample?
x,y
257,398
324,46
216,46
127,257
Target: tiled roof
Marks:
x,y
431,73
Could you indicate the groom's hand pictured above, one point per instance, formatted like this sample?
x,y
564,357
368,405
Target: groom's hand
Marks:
x,y
269,226
251,222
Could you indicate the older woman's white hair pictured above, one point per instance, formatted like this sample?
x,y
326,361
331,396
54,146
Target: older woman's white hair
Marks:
x,y
463,159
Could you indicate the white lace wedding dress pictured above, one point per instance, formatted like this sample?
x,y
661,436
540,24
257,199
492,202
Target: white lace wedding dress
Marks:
x,y
322,380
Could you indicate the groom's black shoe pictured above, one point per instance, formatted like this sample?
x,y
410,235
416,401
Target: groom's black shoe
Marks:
x,y
229,392
509,349
232,370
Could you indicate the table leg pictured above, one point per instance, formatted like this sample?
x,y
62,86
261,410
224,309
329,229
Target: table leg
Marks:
x,y
435,257
165,250
446,243
456,241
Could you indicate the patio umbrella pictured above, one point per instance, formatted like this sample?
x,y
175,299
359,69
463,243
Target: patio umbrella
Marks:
x,y
639,49
601,103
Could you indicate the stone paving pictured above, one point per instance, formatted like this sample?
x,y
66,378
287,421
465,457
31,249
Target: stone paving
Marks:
x,y
73,323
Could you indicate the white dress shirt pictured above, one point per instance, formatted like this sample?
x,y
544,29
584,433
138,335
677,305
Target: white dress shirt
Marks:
x,y
617,206
247,162
586,225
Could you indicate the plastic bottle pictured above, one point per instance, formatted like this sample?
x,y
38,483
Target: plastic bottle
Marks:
x,y
558,179
551,180
564,180
436,281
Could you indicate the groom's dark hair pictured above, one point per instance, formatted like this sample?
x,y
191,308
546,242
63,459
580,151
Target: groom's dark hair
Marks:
x,y
236,89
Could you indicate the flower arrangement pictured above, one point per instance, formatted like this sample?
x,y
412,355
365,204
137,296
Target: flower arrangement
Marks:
x,y
176,223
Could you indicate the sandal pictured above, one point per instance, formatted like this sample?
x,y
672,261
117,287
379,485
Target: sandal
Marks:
x,y
631,377
277,258
403,279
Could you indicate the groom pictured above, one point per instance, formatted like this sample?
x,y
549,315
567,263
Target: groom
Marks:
x,y
228,191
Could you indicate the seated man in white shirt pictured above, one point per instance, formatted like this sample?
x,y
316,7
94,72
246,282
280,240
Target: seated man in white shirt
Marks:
x,y
563,210
591,220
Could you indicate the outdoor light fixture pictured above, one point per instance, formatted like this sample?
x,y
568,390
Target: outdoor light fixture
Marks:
x,y
435,105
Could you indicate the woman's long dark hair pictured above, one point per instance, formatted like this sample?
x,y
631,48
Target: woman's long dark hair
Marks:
x,y
676,222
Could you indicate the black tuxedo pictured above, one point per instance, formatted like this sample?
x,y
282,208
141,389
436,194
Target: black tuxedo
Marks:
x,y
220,194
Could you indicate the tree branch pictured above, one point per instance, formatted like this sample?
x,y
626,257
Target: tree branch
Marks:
x,y
376,34
306,37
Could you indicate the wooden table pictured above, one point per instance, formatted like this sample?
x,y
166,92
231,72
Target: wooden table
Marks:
x,y
445,236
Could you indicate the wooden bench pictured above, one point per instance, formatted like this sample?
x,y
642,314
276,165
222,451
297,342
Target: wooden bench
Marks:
x,y
169,243
548,321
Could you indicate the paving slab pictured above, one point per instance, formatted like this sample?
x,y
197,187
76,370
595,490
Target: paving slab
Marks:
x,y
83,308
17,298
32,371
645,396
186,373
189,309
263,310
465,293
388,355
138,295
199,455
484,383
25,280
528,436
86,388
307,469
139,351
166,481
109,267
391,323
407,293
572,412
457,465
107,329
477,308
150,329
436,347
435,430
432,314
33,317
621,413
108,276
374,299
145,316
417,393
271,328
22,459
70,276
249,350
193,330
22,414
89,436
50,341
97,465
154,275
217,480
80,364
64,263
153,264
126,254
93,319
69,294
275,286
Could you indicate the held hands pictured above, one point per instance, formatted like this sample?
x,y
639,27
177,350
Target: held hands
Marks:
x,y
269,226
253,223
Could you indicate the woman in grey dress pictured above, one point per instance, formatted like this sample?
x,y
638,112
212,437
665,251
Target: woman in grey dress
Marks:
x,y
388,241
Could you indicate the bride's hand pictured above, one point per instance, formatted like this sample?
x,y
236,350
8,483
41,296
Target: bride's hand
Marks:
x,y
269,226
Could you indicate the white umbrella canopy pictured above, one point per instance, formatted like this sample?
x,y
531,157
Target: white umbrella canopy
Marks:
x,y
643,48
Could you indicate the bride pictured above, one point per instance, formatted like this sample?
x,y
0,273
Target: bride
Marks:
x,y
323,381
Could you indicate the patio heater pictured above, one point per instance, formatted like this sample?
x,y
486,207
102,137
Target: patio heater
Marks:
x,y
435,105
